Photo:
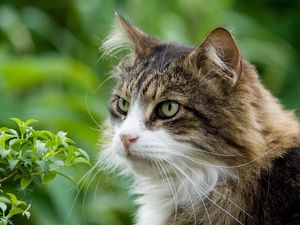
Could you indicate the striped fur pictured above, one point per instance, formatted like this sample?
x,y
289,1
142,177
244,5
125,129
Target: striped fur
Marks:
x,y
205,165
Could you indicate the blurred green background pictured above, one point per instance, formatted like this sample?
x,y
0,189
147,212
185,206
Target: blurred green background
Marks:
x,y
50,70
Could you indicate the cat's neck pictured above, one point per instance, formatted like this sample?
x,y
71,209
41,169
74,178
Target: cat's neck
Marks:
x,y
166,194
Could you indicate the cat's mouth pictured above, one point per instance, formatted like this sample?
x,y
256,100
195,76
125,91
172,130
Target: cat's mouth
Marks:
x,y
137,158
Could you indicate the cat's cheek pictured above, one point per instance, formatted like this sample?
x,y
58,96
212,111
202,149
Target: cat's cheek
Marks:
x,y
121,152
118,148
114,161
117,144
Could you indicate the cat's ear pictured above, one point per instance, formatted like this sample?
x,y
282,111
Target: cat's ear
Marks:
x,y
125,35
220,55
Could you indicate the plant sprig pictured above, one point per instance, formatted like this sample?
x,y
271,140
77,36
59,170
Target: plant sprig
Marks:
x,y
31,157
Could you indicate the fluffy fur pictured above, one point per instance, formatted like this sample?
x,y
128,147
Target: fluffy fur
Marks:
x,y
205,165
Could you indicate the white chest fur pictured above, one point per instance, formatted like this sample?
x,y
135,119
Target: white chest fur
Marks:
x,y
160,200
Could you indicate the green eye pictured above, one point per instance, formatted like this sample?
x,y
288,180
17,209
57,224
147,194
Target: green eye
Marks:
x,y
168,109
122,105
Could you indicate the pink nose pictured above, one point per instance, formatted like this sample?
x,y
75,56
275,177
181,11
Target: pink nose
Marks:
x,y
127,140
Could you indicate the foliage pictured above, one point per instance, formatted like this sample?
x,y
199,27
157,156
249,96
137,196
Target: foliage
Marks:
x,y
11,206
32,158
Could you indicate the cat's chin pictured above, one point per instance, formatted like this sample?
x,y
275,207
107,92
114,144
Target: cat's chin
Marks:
x,y
138,160
141,165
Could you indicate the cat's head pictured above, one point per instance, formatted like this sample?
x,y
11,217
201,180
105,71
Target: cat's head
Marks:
x,y
180,108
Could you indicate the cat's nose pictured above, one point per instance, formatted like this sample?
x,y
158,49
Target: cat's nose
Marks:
x,y
127,140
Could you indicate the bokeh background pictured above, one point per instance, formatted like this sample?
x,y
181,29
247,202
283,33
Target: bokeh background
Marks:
x,y
51,70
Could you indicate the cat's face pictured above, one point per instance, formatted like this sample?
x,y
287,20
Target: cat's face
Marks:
x,y
155,117
176,108
160,116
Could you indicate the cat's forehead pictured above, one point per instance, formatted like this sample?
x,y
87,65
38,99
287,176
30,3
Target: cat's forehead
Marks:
x,y
157,75
153,85
166,53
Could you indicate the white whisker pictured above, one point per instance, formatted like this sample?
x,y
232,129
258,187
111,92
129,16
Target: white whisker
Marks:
x,y
203,192
82,181
186,190
172,187
199,191
199,150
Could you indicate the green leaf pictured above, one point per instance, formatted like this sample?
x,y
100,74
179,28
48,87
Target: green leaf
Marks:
x,y
27,214
17,120
3,207
3,221
40,146
13,141
12,164
26,160
14,132
62,136
82,160
4,153
13,198
4,200
30,121
43,165
37,179
5,137
21,124
42,134
83,153
14,211
25,182
6,130
48,177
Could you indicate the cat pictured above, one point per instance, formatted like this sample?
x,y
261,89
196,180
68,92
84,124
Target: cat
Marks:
x,y
206,143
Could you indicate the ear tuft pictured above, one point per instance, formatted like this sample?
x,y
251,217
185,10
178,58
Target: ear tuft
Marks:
x,y
126,36
116,41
